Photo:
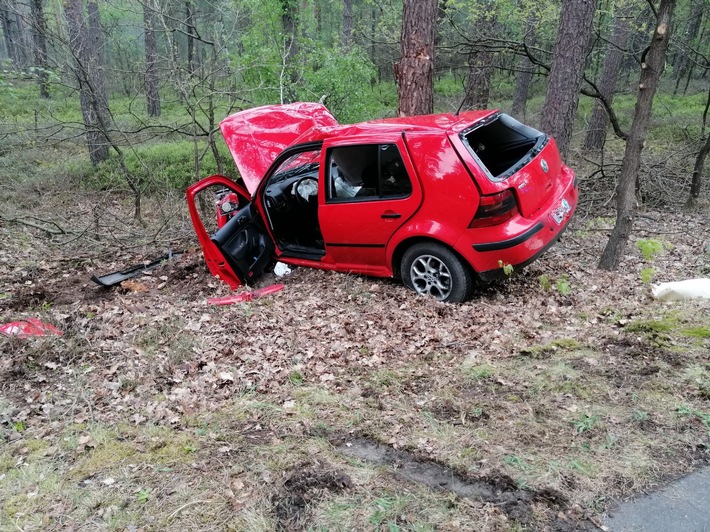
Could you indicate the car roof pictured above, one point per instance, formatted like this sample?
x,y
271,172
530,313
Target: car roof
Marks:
x,y
448,123
257,136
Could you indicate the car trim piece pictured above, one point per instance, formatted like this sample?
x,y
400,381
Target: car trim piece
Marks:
x,y
342,245
505,244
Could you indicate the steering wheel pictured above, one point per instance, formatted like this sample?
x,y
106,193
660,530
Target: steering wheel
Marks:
x,y
305,189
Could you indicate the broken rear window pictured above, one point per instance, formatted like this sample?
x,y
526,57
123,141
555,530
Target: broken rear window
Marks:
x,y
502,145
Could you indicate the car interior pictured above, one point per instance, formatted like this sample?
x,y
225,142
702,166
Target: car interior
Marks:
x,y
291,204
503,145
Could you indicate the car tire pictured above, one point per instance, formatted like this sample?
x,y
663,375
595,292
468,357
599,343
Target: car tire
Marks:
x,y
434,270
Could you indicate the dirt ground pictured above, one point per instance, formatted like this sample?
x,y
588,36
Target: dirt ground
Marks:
x,y
341,402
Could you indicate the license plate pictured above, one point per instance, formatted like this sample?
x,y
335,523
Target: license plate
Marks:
x,y
560,212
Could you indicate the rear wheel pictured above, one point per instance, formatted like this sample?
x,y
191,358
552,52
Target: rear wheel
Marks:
x,y
436,271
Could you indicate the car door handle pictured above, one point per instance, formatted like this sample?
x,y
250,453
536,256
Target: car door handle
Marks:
x,y
387,215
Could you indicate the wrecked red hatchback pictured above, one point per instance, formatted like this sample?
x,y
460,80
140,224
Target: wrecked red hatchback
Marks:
x,y
439,201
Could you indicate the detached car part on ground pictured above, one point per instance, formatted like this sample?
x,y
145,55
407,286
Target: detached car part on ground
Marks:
x,y
438,200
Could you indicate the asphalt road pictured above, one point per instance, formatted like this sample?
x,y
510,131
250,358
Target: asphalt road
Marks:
x,y
683,506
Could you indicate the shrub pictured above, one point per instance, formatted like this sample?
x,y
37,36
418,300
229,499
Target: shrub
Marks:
x,y
164,166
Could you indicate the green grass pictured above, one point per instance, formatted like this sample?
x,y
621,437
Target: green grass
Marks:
x,y
162,166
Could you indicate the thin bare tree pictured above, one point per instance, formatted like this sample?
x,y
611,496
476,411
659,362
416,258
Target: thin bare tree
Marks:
x,y
652,65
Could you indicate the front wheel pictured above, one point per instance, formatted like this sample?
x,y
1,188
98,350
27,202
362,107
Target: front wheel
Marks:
x,y
436,271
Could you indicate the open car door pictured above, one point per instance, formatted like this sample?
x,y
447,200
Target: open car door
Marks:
x,y
240,249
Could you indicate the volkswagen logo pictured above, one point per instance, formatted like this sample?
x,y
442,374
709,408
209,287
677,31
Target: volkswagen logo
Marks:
x,y
543,164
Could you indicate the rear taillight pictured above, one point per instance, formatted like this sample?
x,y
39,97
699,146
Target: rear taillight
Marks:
x,y
495,209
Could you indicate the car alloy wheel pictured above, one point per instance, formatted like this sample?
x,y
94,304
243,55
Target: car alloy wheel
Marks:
x,y
433,270
431,277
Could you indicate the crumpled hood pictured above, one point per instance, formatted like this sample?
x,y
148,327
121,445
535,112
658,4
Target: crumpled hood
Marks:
x,y
255,137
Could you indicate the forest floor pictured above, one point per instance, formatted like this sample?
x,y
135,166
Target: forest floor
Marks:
x,y
341,402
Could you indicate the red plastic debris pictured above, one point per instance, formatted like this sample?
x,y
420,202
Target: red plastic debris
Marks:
x,y
246,296
29,327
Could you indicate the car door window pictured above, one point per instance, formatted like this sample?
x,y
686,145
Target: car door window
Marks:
x,y
366,172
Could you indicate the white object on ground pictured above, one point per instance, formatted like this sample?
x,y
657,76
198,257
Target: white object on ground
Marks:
x,y
281,269
679,290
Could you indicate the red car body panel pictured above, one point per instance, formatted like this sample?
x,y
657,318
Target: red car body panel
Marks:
x,y
364,250
448,182
255,137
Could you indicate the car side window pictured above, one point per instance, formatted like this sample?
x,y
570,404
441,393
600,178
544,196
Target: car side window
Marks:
x,y
366,172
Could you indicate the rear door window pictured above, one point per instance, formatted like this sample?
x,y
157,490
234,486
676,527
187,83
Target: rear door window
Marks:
x,y
366,172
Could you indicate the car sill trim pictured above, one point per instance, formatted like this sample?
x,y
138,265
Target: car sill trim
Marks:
x,y
340,245
505,244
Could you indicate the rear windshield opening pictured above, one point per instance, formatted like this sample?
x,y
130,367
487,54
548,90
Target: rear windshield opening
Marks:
x,y
503,145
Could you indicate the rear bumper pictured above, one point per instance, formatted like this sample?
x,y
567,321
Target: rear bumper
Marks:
x,y
498,273
518,242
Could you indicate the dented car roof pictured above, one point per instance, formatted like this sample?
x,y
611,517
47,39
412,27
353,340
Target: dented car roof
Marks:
x,y
255,137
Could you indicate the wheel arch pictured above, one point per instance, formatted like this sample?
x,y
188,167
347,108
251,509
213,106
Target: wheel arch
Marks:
x,y
405,244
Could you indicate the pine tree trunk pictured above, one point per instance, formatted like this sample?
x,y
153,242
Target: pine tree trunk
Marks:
x,y
152,93
190,29
651,68
289,18
39,37
567,70
523,79
97,61
478,85
596,132
347,35
94,105
415,71
682,62
697,181
481,62
10,34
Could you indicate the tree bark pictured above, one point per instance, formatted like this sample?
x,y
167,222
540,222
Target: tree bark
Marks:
x,y
347,35
651,68
567,70
698,173
414,73
682,62
97,62
523,79
39,38
481,62
190,30
152,93
596,132
696,182
10,33
94,105
289,18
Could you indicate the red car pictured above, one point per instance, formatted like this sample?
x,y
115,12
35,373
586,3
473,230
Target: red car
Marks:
x,y
438,200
